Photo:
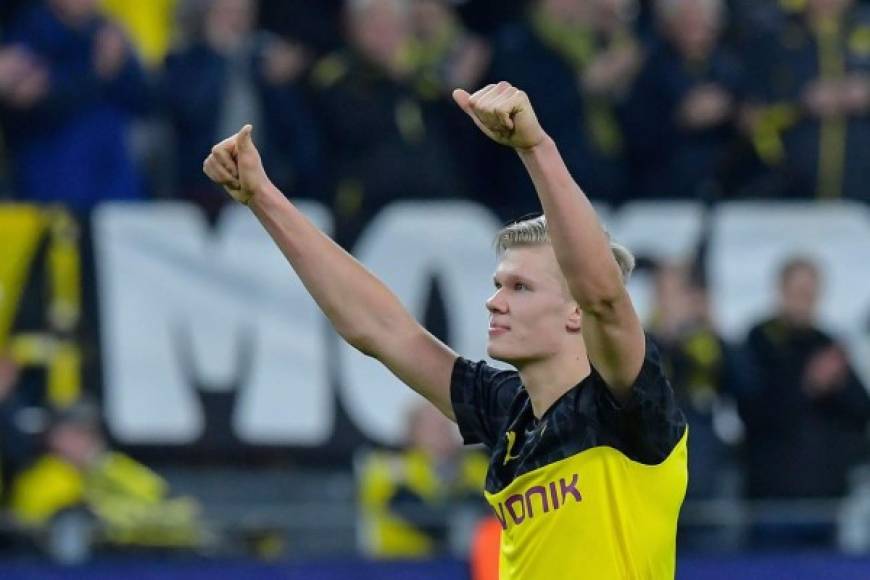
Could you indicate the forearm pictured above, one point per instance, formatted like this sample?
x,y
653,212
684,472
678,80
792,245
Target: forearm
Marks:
x,y
579,241
360,307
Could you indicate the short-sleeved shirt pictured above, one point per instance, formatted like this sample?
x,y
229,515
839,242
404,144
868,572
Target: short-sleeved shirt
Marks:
x,y
593,488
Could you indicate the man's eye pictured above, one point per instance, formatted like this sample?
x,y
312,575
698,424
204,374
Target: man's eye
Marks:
x,y
497,285
519,286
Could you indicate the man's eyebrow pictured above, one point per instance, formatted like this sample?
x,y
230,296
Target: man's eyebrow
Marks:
x,y
510,277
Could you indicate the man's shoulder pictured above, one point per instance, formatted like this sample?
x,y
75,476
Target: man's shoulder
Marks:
x,y
483,371
497,388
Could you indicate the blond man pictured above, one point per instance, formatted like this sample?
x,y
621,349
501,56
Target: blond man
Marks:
x,y
588,448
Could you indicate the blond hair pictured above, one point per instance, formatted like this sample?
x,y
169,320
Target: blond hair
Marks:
x,y
534,232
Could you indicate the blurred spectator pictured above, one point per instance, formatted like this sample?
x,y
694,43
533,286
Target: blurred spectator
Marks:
x,y
315,24
19,425
23,79
130,505
806,421
809,77
414,500
487,16
68,137
682,116
22,82
446,55
577,60
226,75
383,141
150,26
703,370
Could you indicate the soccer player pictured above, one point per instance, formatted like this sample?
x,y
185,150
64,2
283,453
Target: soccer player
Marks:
x,y
588,448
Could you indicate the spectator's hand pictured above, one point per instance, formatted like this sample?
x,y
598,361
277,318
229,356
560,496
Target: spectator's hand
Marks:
x,y
504,114
8,376
824,98
110,52
825,372
23,81
283,62
235,164
704,107
29,90
613,73
14,63
856,94
470,63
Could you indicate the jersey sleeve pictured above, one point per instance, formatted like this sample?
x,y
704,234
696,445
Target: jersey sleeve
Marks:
x,y
481,396
650,423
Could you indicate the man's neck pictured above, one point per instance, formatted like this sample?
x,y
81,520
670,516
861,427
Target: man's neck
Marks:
x,y
549,379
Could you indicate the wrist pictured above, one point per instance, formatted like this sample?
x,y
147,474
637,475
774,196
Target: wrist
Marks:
x,y
264,194
545,144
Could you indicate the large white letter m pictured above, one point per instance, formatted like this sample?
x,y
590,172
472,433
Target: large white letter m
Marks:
x,y
188,312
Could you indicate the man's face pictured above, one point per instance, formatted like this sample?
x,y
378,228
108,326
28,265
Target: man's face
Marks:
x,y
433,433
799,295
828,8
694,29
75,443
569,12
531,314
75,11
231,21
380,31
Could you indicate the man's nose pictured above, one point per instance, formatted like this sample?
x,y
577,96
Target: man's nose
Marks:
x,y
496,303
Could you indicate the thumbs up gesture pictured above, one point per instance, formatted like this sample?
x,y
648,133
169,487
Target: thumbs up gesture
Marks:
x,y
504,114
235,164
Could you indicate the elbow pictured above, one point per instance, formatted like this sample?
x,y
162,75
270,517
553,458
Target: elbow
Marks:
x,y
600,289
362,341
598,308
601,299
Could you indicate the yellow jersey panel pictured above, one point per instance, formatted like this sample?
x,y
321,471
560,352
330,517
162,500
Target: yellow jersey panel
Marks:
x,y
596,514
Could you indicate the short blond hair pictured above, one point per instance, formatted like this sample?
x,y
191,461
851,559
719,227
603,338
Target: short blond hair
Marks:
x,y
534,232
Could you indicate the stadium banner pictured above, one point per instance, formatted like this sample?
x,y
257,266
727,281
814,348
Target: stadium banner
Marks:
x,y
194,318
209,343
40,299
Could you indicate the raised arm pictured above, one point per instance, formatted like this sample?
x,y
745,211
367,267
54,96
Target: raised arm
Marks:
x,y
611,329
362,310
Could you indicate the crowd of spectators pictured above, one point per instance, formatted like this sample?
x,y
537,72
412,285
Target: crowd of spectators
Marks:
x,y
689,99
660,99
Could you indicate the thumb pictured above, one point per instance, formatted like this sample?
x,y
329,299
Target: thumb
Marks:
x,y
243,139
462,98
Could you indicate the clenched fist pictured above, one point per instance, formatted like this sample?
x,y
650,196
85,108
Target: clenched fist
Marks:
x,y
504,114
235,164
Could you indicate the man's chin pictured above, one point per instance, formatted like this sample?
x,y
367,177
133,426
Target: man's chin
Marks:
x,y
499,354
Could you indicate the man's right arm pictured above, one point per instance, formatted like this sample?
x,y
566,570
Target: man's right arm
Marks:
x,y
361,308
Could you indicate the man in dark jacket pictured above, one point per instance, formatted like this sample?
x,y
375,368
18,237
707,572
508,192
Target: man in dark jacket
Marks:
x,y
228,73
682,114
70,145
808,78
806,420
577,60
383,141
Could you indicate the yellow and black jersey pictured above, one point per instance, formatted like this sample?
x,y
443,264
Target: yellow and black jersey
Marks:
x,y
593,488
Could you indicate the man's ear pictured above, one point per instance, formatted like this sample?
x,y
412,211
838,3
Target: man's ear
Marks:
x,y
575,319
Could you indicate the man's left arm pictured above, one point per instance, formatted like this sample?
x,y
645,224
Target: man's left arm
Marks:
x,y
611,328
